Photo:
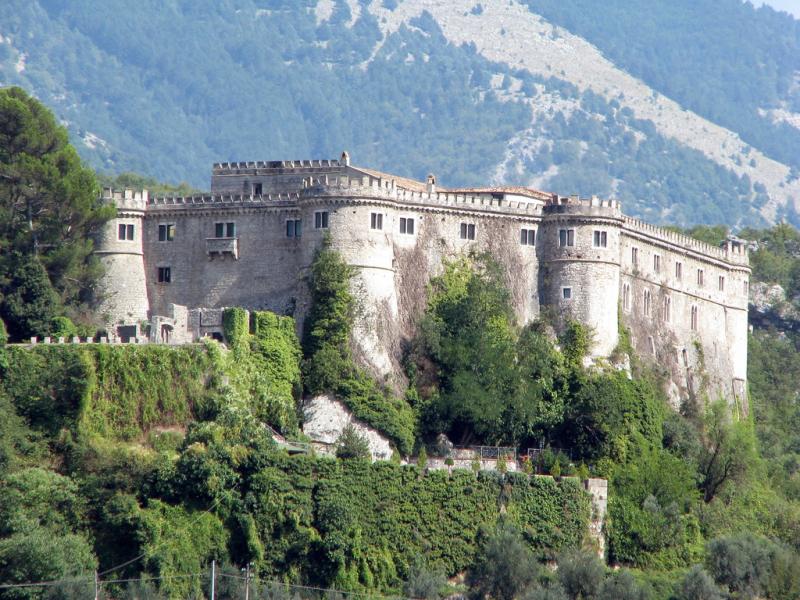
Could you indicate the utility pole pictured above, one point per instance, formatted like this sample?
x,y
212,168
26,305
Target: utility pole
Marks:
x,y
213,576
96,586
247,582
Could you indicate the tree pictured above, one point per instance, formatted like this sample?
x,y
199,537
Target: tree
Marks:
x,y
741,563
504,567
622,586
424,583
698,585
49,206
581,574
729,450
351,444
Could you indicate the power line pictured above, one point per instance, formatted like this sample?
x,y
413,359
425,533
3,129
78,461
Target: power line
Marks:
x,y
45,583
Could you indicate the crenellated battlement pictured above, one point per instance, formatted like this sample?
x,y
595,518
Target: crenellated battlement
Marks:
x,y
732,250
126,199
270,167
223,199
388,190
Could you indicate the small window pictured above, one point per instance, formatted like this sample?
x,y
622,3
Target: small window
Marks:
x,y
693,322
566,237
685,356
527,237
635,257
166,232
626,297
600,239
467,231
678,270
223,230
407,225
721,283
321,219
376,221
566,293
745,287
656,263
164,274
125,232
294,228
666,311
700,277
258,189
647,300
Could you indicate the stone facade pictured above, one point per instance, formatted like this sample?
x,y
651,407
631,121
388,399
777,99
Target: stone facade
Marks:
x,y
251,241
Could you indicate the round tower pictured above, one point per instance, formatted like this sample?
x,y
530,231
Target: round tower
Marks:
x,y
580,266
124,305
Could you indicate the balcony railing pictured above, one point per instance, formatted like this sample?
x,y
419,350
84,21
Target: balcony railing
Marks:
x,y
222,246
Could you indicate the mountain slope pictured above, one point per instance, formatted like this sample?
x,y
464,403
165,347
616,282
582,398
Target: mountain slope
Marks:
x,y
470,91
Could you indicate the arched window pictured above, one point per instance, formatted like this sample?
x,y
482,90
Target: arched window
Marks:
x,y
666,309
694,318
647,303
626,297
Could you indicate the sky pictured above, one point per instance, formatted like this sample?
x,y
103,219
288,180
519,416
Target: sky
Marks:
x,y
790,6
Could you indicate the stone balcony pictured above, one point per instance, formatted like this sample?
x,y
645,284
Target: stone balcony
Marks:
x,y
222,247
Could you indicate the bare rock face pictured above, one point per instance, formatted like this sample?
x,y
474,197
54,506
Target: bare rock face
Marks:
x,y
325,418
768,298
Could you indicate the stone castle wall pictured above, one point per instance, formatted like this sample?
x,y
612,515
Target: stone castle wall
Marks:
x,y
260,267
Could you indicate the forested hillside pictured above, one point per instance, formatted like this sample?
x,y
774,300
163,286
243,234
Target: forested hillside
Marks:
x,y
165,90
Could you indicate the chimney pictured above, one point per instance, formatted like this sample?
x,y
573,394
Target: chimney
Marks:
x,y
431,183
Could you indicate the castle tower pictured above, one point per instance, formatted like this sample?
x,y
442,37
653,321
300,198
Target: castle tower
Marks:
x,y
125,304
579,275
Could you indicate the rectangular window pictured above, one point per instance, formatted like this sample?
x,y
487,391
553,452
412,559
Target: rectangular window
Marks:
x,y
566,293
258,189
700,277
164,274
406,225
678,270
527,237
125,232
376,221
721,283
294,228
566,237
321,219
635,257
223,230
600,239
467,231
166,232
656,263
745,287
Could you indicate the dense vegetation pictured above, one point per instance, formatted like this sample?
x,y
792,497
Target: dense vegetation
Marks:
x,y
166,109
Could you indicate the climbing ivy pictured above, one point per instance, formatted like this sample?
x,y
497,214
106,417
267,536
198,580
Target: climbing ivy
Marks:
x,y
329,366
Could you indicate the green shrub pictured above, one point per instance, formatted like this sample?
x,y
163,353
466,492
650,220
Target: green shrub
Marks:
x,y
63,327
351,444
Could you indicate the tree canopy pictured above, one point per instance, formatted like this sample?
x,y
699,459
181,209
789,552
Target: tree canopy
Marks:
x,y
49,209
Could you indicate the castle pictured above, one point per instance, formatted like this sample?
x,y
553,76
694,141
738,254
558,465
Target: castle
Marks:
x,y
172,263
